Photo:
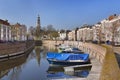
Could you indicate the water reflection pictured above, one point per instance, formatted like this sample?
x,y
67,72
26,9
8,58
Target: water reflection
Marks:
x,y
118,58
3,73
53,69
37,51
50,47
12,66
58,72
82,73
21,67
34,66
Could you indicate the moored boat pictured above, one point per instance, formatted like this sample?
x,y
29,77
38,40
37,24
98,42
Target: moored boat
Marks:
x,y
62,47
67,58
70,50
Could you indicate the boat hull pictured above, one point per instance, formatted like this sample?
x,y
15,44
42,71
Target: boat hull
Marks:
x,y
75,52
67,62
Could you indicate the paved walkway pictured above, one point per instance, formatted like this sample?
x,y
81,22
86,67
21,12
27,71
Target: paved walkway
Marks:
x,y
110,69
95,71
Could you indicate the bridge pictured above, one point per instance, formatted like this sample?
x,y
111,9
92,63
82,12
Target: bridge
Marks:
x,y
104,63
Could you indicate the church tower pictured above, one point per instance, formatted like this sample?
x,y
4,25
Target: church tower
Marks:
x,y
38,23
38,29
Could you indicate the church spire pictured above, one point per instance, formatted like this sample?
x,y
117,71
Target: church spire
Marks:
x,y
38,27
38,22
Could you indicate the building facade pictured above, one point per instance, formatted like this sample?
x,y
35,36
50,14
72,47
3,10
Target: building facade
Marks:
x,y
62,35
31,33
70,36
5,30
105,30
19,32
85,34
111,28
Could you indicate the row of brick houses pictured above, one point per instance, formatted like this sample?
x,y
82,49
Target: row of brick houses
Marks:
x,y
104,30
8,32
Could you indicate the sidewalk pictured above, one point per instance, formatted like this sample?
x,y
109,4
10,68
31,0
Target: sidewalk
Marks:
x,y
110,68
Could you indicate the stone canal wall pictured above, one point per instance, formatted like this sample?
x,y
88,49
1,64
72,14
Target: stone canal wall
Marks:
x,y
16,48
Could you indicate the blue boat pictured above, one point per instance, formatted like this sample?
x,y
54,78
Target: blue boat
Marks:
x,y
67,58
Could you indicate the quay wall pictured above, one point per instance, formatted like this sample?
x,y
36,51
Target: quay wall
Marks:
x,y
10,49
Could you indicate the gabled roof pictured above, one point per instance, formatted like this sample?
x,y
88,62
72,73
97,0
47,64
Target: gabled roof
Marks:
x,y
111,17
5,22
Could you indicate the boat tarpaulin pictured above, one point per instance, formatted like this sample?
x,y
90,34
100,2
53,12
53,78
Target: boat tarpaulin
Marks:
x,y
78,57
63,57
67,56
52,55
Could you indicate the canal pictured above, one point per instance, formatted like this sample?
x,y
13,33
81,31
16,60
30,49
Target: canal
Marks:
x,y
34,66
118,58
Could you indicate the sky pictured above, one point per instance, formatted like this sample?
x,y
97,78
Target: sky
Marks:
x,y
62,14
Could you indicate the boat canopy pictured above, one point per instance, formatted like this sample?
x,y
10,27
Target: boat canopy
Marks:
x,y
75,48
67,56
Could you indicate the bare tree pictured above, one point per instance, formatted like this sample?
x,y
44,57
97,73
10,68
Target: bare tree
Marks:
x,y
50,31
50,28
32,30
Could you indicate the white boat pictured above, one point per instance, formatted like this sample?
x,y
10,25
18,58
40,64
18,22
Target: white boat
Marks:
x,y
70,50
63,47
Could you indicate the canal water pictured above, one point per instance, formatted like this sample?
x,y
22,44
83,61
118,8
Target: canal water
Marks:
x,y
118,58
34,66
